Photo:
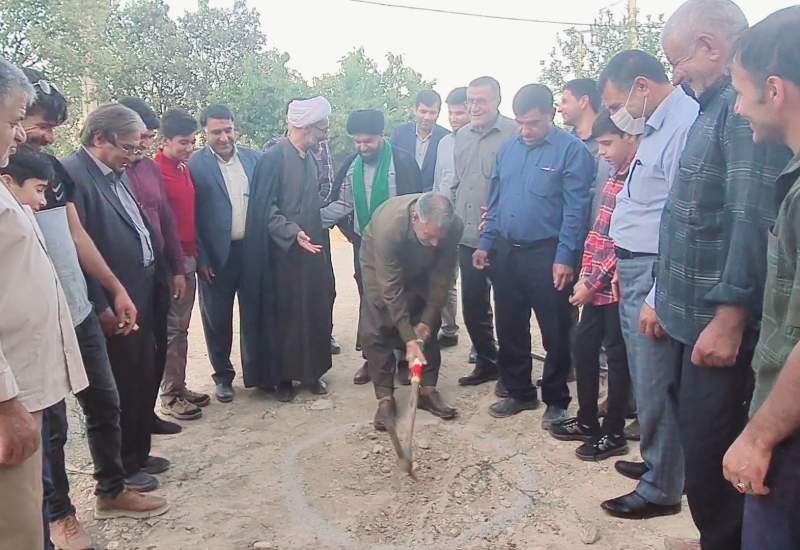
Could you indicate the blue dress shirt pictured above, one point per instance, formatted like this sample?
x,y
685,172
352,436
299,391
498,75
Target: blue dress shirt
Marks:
x,y
541,192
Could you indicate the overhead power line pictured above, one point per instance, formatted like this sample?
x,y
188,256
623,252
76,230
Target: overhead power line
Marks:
x,y
490,16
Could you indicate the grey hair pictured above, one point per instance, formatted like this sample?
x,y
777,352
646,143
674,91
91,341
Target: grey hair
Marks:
x,y
110,121
436,209
721,18
488,81
12,79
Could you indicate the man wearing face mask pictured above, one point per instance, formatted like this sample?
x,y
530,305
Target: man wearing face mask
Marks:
x,y
376,172
536,223
291,285
711,268
408,259
642,102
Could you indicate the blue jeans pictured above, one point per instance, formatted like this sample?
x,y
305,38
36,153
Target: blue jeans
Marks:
x,y
652,368
772,522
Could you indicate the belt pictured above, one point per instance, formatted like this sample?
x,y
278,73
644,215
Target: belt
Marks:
x,y
624,254
530,244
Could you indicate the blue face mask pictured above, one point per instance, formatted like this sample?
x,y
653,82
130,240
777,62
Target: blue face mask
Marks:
x,y
626,122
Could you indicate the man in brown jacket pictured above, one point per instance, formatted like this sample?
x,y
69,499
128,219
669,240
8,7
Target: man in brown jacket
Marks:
x,y
409,253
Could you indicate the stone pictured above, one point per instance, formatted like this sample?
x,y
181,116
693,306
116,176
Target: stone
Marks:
x,y
263,545
377,449
589,533
424,444
321,405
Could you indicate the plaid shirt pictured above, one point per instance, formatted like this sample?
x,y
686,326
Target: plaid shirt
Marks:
x,y
780,324
599,258
713,235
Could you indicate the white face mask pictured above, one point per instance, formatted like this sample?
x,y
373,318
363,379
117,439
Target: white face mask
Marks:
x,y
626,122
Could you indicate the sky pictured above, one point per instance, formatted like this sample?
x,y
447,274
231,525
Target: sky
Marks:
x,y
448,48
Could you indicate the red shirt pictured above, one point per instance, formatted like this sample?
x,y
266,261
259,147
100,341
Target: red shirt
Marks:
x,y
180,194
599,257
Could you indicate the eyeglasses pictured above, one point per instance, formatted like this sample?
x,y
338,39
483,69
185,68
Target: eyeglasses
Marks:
x,y
128,149
46,87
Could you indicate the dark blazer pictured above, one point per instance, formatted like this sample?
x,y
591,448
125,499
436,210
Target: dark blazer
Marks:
x,y
213,205
112,231
405,137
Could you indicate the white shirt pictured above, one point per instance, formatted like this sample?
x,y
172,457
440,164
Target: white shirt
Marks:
x,y
238,192
444,176
40,361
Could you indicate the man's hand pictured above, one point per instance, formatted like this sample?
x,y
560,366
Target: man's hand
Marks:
x,y
304,242
746,464
649,324
206,274
109,323
178,287
581,294
480,259
20,437
422,331
718,343
414,352
562,276
484,217
125,312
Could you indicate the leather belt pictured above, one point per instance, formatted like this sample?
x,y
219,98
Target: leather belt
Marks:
x,y
624,254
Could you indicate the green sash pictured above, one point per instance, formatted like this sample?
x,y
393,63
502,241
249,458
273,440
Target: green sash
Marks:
x,y
380,187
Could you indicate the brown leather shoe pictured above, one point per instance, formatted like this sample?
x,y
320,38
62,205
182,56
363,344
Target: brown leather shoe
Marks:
x,y
431,400
68,534
386,413
362,375
129,504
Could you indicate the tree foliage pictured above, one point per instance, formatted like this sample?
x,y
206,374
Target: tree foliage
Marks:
x,y
584,53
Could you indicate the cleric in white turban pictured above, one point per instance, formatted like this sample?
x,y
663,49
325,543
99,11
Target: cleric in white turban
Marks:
x,y
286,270
307,112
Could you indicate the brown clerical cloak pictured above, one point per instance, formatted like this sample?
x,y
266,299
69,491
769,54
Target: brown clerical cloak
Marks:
x,y
295,288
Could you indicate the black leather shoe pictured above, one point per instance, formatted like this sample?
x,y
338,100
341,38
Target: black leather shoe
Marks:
x,y
155,465
336,349
633,506
164,427
142,482
448,341
285,392
362,375
632,470
500,389
320,387
511,406
431,400
478,376
224,392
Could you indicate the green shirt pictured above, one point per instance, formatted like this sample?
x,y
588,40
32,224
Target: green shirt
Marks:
x,y
780,323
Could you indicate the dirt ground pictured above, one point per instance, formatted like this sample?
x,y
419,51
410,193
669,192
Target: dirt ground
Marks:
x,y
314,474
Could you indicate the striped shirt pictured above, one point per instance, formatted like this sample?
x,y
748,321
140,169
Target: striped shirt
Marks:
x,y
599,258
714,226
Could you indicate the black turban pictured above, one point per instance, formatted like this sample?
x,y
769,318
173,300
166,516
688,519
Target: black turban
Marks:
x,y
367,121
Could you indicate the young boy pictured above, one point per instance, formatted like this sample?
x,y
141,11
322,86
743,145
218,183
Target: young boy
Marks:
x,y
599,324
27,177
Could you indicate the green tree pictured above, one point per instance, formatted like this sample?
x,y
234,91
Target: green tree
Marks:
x,y
583,53
360,84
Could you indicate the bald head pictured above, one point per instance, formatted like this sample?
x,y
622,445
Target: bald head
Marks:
x,y
698,39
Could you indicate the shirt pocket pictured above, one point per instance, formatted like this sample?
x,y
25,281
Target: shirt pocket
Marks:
x,y
543,181
647,184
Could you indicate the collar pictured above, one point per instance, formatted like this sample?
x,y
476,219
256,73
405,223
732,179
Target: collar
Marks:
x,y
708,96
549,137
104,168
792,168
656,120
422,139
222,161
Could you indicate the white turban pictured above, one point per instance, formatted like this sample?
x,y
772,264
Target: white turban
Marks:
x,y
305,112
